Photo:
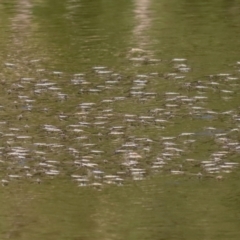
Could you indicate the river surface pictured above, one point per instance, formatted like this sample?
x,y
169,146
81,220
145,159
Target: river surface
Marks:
x,y
120,119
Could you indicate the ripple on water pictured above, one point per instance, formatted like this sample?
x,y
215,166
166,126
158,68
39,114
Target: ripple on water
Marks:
x,y
102,127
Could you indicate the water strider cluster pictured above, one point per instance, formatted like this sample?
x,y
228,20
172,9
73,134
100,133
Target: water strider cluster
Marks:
x,y
104,127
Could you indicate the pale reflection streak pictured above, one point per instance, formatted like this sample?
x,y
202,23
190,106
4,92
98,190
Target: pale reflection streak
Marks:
x,y
143,22
21,21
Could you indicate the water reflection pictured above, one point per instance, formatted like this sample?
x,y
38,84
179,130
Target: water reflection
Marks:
x,y
21,22
143,23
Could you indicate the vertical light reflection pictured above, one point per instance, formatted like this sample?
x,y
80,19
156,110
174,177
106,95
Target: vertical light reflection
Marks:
x,y
143,23
21,22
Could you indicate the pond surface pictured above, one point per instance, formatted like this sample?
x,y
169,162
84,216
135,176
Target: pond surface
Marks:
x,y
119,119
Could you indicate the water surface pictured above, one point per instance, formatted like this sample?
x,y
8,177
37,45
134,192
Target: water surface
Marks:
x,y
119,120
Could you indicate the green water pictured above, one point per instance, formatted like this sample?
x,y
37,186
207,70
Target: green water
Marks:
x,y
146,147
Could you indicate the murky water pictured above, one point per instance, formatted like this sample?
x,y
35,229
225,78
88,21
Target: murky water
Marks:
x,y
119,120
